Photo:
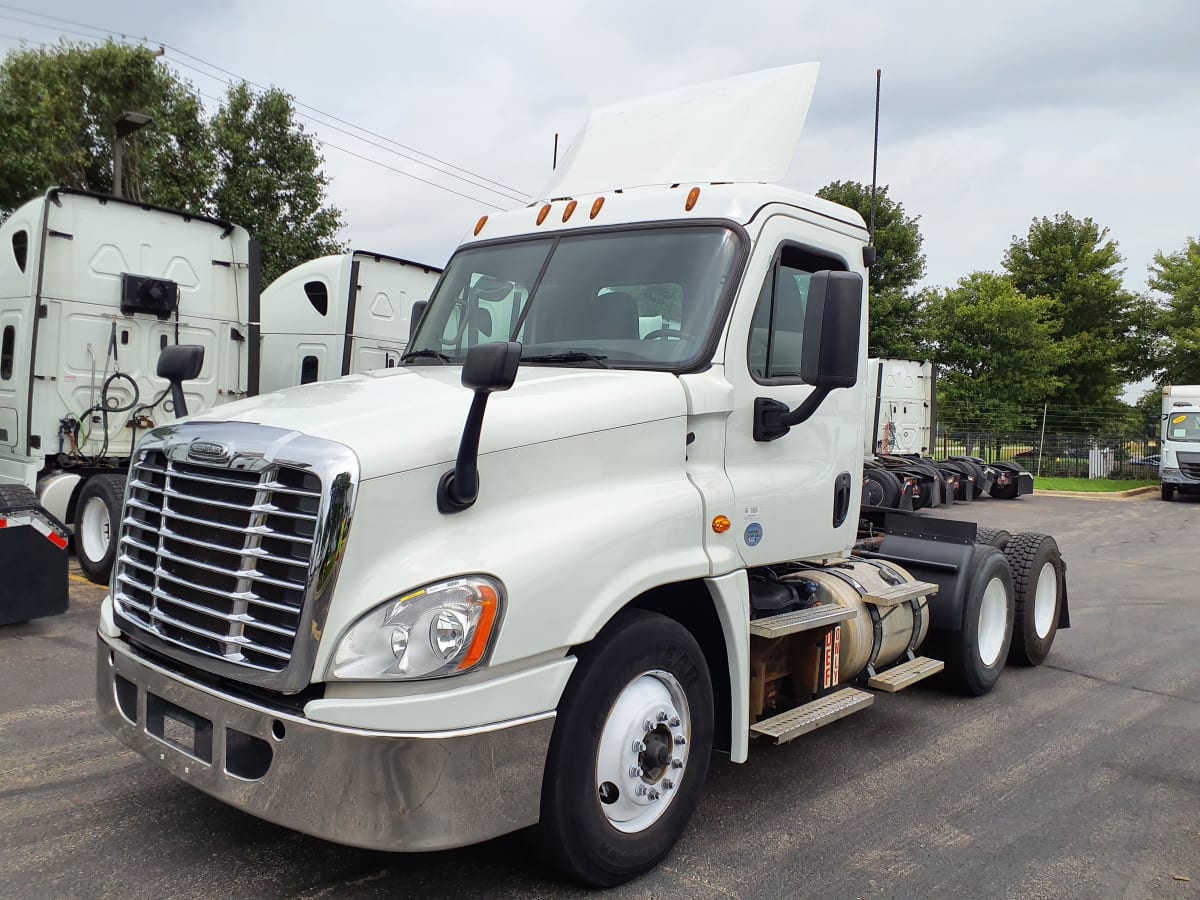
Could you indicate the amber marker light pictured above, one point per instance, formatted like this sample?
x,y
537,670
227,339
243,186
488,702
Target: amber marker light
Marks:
x,y
721,524
483,631
542,213
570,209
599,202
479,225
693,196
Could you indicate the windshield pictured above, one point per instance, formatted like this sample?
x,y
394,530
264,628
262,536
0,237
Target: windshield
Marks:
x,y
1183,426
644,298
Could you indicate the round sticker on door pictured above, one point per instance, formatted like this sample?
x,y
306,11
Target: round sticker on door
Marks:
x,y
753,534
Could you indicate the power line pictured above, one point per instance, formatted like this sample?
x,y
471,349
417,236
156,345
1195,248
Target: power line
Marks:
x,y
125,38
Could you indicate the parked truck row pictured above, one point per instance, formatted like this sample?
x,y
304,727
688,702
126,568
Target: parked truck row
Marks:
x,y
1179,455
94,288
603,518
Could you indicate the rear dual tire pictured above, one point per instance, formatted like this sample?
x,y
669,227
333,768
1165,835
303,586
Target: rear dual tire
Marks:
x,y
1039,583
976,652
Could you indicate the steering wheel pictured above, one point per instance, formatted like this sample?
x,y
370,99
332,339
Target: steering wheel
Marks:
x,y
666,332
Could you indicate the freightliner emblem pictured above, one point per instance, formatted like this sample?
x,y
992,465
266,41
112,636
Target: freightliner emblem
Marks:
x,y
210,451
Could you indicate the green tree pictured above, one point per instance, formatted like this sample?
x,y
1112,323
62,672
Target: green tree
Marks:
x,y
1177,323
57,109
895,325
1103,328
270,179
995,350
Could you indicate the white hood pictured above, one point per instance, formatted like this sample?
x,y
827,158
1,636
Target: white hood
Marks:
x,y
407,418
741,129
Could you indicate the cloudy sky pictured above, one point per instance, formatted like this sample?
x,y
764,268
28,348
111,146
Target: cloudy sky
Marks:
x,y
992,115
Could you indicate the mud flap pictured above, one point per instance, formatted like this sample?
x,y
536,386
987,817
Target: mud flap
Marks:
x,y
33,560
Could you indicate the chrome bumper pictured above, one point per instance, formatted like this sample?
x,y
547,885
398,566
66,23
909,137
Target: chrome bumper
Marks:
x,y
383,791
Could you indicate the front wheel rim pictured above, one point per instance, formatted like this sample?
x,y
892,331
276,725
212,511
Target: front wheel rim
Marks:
x,y
643,752
95,529
993,617
1045,600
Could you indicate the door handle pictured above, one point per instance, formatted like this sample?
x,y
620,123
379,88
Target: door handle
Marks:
x,y
841,499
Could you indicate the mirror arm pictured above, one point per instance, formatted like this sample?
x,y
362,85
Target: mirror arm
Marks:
x,y
773,419
178,404
459,487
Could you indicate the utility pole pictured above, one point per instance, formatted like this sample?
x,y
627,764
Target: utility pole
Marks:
x,y
126,124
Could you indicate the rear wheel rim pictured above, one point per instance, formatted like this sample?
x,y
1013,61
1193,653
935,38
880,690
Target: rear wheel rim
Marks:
x,y
643,752
95,529
1045,600
993,616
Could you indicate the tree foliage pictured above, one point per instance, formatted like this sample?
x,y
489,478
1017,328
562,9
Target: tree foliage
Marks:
x,y
270,179
996,351
251,163
895,315
1177,323
1103,328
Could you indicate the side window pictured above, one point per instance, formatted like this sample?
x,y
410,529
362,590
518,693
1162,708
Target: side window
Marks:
x,y
777,330
318,296
8,349
308,370
20,247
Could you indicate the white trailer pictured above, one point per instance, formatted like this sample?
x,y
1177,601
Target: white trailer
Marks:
x,y
339,315
398,614
1179,456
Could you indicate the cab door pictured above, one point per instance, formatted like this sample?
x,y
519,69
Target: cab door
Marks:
x,y
798,495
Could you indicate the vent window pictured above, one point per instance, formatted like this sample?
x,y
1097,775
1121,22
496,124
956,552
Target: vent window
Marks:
x,y
20,245
318,296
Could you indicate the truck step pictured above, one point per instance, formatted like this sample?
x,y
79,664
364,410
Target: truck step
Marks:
x,y
900,593
811,716
899,677
800,620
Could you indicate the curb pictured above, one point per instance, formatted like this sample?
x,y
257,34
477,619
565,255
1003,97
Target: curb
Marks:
x,y
1101,495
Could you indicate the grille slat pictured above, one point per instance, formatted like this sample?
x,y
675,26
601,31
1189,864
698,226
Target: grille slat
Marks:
x,y
193,569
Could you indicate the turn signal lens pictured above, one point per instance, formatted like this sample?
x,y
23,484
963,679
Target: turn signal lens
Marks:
x,y
479,225
542,213
570,209
721,524
693,196
599,202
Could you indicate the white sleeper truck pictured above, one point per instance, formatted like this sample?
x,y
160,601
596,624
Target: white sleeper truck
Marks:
x,y
603,519
1179,456
92,289
339,315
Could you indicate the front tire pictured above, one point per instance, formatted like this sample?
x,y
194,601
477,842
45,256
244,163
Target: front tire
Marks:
x,y
98,524
620,785
1168,492
1039,582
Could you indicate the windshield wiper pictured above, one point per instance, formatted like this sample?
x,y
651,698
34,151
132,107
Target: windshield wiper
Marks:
x,y
426,354
570,357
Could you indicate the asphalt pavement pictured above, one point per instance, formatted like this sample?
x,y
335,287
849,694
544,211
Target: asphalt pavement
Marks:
x,y
1080,778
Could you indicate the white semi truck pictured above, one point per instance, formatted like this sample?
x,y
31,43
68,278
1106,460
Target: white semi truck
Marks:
x,y
1179,455
92,288
538,572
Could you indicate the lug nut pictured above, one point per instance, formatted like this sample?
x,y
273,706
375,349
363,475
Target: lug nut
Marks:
x,y
647,724
677,764
668,784
680,739
654,794
640,790
639,746
635,771
662,717
675,722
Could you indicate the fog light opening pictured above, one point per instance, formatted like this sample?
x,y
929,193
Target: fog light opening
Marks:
x,y
278,731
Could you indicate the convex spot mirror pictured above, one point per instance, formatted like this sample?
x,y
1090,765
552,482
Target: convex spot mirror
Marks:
x,y
832,330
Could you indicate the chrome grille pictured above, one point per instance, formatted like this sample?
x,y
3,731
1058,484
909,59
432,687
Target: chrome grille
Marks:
x,y
1189,464
217,560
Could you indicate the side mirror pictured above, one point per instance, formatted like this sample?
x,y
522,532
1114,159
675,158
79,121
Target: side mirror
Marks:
x,y
829,358
488,368
177,364
414,318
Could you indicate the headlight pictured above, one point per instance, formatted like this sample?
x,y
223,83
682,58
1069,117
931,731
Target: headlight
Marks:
x,y
441,629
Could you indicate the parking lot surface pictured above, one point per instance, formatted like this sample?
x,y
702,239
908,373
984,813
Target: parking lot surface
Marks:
x,y
1077,779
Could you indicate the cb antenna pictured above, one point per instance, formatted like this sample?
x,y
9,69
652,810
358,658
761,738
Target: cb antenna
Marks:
x,y
874,160
554,164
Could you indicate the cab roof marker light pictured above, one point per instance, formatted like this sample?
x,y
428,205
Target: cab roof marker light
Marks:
x,y
596,205
479,225
692,197
570,209
542,213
